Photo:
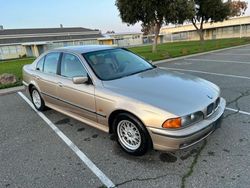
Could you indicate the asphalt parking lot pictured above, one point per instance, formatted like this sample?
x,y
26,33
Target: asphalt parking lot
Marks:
x,y
33,155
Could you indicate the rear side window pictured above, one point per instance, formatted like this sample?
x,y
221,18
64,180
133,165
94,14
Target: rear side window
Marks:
x,y
50,63
71,66
39,65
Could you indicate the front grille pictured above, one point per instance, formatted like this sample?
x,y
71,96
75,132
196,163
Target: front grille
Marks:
x,y
213,107
210,109
217,102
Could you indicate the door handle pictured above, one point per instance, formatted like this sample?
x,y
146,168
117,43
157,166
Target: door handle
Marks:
x,y
38,77
60,84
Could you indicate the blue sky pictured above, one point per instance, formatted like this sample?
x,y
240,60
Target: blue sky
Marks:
x,y
95,14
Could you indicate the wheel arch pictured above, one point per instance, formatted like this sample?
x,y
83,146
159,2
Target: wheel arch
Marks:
x,y
115,113
30,87
33,84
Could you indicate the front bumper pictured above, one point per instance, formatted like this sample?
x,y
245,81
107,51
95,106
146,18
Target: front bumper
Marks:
x,y
169,140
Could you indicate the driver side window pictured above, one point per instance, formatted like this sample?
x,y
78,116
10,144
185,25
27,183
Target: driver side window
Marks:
x,y
71,66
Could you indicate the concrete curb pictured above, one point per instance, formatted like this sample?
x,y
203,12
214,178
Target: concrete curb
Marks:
x,y
10,60
197,54
11,90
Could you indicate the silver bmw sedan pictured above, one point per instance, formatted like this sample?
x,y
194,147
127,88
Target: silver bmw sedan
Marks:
x,y
118,92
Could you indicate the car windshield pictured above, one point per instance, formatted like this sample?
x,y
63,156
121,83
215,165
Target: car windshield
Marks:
x,y
115,63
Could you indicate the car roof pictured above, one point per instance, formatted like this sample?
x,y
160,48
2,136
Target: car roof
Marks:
x,y
85,48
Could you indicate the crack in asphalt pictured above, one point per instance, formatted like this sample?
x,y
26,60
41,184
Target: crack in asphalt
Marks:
x,y
198,154
191,168
144,179
236,100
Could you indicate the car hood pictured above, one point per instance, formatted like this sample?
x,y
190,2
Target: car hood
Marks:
x,y
175,92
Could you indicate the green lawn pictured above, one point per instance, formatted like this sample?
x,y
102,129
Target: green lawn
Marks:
x,y
164,51
176,49
14,67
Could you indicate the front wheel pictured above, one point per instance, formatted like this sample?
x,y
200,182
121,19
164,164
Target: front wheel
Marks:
x,y
132,136
37,99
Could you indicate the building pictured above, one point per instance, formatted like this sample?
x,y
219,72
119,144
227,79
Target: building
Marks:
x,y
129,39
15,43
122,39
232,28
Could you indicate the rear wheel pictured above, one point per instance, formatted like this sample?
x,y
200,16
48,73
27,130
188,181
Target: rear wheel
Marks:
x,y
132,136
37,99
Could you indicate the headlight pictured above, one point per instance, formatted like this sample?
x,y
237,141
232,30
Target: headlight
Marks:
x,y
183,121
192,118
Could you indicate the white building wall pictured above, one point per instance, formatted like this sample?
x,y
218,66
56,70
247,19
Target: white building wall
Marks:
x,y
12,51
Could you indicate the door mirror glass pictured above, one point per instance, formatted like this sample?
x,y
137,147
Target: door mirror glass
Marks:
x,y
80,80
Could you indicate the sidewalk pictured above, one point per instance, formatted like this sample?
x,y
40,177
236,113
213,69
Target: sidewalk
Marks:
x,y
11,90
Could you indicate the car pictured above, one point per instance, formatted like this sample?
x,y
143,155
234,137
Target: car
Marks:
x,y
119,92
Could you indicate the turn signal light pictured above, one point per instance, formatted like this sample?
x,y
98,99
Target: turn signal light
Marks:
x,y
172,123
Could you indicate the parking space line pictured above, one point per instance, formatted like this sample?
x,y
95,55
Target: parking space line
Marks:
x,y
243,49
103,178
239,111
230,54
211,73
222,61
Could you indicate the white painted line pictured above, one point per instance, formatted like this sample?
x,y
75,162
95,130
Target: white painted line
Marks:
x,y
243,49
104,179
184,63
231,54
211,73
222,61
239,111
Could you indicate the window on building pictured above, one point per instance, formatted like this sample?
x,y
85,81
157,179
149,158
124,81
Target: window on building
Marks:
x,y
248,27
236,28
5,50
71,66
12,49
50,63
19,49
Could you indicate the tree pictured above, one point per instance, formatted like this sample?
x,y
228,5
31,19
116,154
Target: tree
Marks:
x,y
237,8
152,12
147,29
204,11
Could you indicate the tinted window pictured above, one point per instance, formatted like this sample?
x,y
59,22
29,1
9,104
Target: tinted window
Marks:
x,y
50,63
39,65
116,63
71,66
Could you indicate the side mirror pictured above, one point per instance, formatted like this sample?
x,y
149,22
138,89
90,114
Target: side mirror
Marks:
x,y
80,79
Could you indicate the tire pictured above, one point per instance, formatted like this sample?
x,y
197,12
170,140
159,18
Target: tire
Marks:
x,y
131,134
37,100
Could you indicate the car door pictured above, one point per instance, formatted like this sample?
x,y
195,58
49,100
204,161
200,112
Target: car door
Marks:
x,y
47,68
78,99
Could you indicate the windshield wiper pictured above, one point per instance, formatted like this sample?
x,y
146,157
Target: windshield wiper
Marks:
x,y
139,71
132,73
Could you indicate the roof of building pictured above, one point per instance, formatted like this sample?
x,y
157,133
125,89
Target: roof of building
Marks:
x,y
19,36
86,48
243,20
43,30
